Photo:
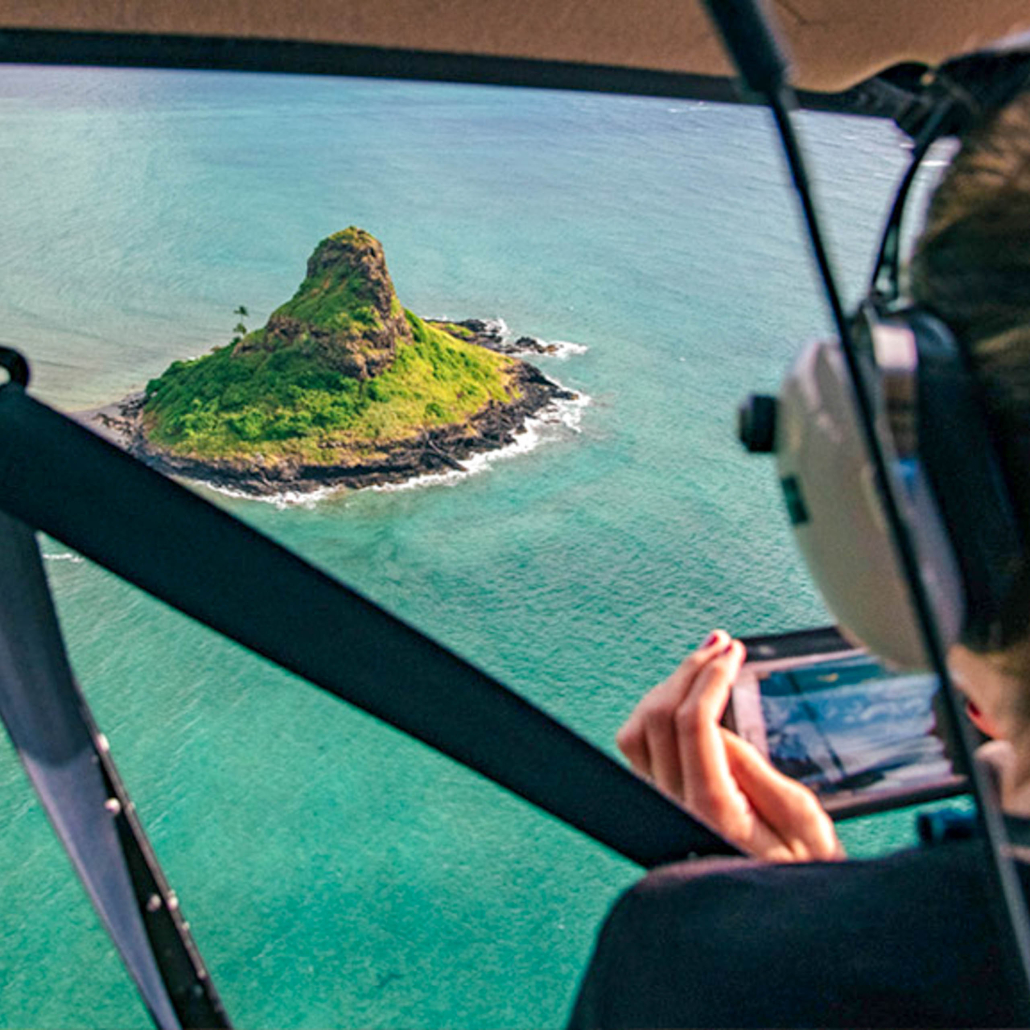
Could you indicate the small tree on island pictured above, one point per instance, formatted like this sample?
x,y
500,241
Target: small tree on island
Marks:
x,y
240,329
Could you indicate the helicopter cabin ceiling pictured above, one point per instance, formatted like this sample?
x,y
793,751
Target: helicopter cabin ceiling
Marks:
x,y
833,43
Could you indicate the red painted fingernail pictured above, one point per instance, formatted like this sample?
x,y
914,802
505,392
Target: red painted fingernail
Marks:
x,y
728,647
712,638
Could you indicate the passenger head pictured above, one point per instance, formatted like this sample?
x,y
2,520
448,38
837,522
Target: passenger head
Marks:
x,y
971,268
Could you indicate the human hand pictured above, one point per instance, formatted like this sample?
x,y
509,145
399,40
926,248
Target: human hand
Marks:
x,y
674,738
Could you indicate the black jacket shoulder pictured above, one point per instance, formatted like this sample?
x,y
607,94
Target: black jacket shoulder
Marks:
x,y
909,940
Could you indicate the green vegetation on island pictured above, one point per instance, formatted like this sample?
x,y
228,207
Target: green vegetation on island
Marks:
x,y
341,367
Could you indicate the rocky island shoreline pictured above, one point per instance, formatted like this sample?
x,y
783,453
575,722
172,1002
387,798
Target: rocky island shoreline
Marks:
x,y
344,410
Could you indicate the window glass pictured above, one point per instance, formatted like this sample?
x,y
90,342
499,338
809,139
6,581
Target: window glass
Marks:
x,y
334,872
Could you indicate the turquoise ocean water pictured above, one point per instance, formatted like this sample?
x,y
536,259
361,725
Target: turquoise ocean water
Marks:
x,y
334,872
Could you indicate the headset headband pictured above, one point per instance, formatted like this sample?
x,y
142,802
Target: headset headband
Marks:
x,y
956,98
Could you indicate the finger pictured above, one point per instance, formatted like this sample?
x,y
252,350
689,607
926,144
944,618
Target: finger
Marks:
x,y
632,742
680,682
663,748
717,668
656,709
789,808
660,715
648,740
709,787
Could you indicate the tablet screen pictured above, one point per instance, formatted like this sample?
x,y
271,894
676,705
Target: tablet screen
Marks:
x,y
861,737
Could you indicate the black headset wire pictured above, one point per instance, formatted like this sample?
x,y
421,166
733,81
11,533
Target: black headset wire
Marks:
x,y
989,817
884,284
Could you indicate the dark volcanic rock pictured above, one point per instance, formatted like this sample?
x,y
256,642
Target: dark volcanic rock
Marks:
x,y
531,345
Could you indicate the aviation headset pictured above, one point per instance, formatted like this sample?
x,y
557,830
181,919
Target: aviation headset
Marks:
x,y
942,463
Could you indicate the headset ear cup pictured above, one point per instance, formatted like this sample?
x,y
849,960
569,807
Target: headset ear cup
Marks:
x,y
837,511
957,451
943,475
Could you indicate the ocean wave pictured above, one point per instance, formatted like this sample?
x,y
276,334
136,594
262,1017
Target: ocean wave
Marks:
x,y
497,326
286,499
550,423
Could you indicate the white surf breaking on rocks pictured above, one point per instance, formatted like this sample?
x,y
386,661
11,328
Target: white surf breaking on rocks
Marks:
x,y
535,346
561,416
550,423
286,499
564,349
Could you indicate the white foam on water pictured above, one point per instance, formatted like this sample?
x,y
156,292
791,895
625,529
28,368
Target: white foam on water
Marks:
x,y
564,349
75,559
498,326
286,499
547,424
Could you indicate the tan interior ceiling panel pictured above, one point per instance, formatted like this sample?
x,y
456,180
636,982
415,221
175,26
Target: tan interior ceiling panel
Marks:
x,y
833,43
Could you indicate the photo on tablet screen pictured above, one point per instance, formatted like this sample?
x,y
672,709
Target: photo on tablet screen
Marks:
x,y
861,737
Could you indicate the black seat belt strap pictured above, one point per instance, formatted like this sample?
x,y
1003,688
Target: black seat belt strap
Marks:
x,y
67,481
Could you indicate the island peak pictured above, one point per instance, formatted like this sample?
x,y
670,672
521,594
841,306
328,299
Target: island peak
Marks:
x,y
345,315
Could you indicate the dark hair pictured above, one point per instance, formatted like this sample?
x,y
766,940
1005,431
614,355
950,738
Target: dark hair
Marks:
x,y
971,268
972,263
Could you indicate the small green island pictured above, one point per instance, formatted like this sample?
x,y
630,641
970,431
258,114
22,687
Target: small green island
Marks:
x,y
341,387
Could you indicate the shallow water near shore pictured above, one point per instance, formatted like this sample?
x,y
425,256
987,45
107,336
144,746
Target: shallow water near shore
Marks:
x,y
334,872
